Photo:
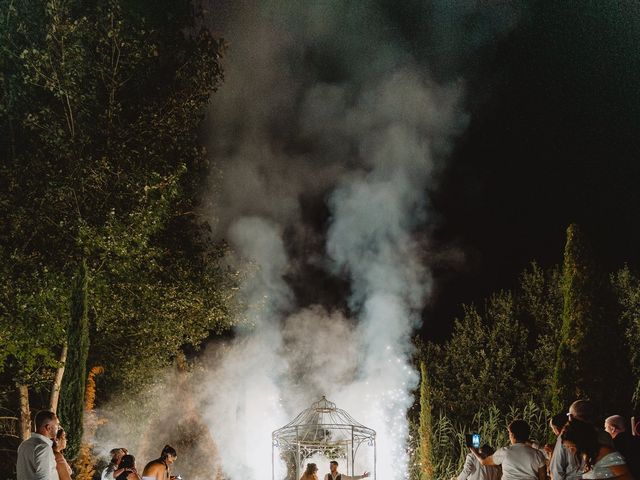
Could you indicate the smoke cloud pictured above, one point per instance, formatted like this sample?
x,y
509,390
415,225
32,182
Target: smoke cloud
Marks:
x,y
328,136
322,102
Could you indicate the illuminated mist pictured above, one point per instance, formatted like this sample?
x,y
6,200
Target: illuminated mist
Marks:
x,y
324,110
322,103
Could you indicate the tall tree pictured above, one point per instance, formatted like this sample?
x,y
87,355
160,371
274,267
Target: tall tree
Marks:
x,y
589,363
485,362
569,380
100,104
541,303
627,287
425,431
73,384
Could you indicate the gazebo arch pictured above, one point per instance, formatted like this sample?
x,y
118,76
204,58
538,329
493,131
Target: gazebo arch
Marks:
x,y
321,429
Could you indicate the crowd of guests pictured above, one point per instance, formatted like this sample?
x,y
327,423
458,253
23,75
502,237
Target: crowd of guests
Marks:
x,y
582,451
41,457
123,466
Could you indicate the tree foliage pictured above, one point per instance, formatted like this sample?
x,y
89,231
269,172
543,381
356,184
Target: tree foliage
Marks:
x,y
570,376
426,426
563,333
591,362
73,384
627,287
101,104
485,362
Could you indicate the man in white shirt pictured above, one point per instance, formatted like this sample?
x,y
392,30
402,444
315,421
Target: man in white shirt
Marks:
x,y
334,475
519,461
35,455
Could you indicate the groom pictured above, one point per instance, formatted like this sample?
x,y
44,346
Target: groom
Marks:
x,y
334,475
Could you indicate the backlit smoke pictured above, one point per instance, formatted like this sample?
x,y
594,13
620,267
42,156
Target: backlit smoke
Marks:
x,y
322,102
328,136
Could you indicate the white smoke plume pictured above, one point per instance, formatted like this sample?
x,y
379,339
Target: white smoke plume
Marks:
x,y
328,136
320,101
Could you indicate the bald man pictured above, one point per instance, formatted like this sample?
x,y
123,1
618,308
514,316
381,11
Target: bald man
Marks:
x,y
564,465
625,443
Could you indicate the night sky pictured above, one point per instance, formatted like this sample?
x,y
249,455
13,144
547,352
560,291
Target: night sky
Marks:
x,y
553,139
553,98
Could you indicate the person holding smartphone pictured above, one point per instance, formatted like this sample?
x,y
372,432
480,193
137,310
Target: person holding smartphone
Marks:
x,y
474,470
519,461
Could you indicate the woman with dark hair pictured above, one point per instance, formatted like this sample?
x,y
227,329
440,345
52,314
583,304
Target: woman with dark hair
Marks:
x,y
600,461
127,469
158,469
59,444
556,423
310,473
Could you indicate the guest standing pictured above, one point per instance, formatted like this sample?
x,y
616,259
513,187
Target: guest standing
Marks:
x,y
474,470
116,456
35,455
600,461
159,469
59,444
627,444
127,469
519,461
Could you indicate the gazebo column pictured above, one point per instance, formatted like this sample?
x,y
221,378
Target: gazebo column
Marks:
x,y
353,454
298,473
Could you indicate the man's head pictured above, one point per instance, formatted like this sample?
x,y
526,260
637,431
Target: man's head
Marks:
x,y
519,431
582,410
333,466
46,424
557,422
614,425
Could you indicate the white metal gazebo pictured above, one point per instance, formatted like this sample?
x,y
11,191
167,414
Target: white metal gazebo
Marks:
x,y
322,429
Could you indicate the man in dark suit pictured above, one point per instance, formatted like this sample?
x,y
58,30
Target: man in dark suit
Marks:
x,y
625,443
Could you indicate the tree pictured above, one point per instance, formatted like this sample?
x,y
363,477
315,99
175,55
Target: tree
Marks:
x,y
540,299
569,375
73,384
425,431
486,361
101,105
627,288
591,362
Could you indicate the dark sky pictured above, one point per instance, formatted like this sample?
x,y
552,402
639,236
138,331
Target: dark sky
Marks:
x,y
553,139
553,97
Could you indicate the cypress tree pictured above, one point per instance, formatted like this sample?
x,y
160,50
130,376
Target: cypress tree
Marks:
x,y
590,361
426,441
568,375
73,384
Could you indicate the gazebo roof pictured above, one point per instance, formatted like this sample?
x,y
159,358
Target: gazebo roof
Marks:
x,y
323,424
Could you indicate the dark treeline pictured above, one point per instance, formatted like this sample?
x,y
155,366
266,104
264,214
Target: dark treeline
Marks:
x,y
566,332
